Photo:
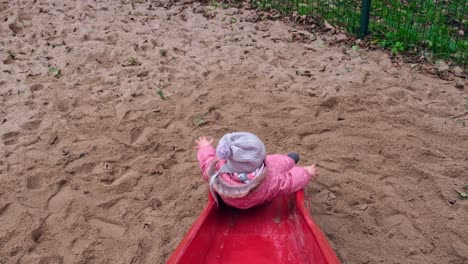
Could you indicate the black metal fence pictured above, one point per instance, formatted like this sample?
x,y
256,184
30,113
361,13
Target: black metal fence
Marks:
x,y
430,28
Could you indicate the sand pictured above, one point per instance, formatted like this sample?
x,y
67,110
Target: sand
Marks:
x,y
95,167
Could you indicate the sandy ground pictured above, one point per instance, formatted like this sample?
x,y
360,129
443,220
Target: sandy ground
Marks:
x,y
96,168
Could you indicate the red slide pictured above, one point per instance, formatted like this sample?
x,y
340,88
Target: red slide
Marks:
x,y
278,232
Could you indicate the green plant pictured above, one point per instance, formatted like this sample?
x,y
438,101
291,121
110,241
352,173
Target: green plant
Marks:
x,y
161,94
163,52
397,47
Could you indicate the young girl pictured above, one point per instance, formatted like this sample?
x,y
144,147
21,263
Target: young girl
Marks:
x,y
241,173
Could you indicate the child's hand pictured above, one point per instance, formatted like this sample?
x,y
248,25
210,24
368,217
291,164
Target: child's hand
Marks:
x,y
203,142
312,169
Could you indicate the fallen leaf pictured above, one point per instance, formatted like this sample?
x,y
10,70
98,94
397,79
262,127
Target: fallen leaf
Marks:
x,y
355,47
463,195
54,139
143,74
328,26
198,121
132,61
11,54
363,207
458,70
54,71
233,20
309,47
441,65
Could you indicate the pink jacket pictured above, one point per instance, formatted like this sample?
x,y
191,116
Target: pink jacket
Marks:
x,y
283,178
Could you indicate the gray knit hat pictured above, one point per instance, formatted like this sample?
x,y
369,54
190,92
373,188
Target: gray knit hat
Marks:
x,y
244,152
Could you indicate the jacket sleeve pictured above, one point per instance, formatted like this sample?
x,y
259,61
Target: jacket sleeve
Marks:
x,y
290,178
280,163
293,180
205,156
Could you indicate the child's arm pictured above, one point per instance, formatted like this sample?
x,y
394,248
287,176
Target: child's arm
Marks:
x,y
296,179
205,155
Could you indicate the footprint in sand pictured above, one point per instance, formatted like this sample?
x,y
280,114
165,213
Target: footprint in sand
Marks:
x,y
402,227
36,87
107,228
36,154
60,199
79,245
37,233
10,138
136,136
80,167
3,207
140,136
31,125
51,260
133,110
34,182
126,182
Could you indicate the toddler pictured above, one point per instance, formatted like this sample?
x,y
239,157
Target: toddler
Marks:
x,y
243,176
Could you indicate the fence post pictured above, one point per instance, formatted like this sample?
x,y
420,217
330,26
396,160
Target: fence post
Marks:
x,y
365,12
